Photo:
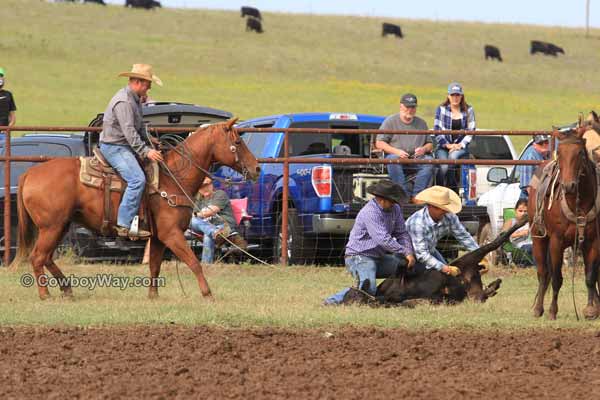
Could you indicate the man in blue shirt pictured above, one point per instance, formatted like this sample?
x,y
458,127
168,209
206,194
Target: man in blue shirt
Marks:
x,y
378,239
539,150
434,221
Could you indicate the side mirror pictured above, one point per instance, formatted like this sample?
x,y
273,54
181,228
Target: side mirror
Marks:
x,y
497,175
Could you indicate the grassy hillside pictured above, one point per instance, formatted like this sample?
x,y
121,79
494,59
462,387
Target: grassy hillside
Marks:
x,y
62,61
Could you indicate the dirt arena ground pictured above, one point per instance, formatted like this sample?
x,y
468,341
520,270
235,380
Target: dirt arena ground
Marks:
x,y
212,363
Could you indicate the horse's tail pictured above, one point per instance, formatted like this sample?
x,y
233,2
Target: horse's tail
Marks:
x,y
26,228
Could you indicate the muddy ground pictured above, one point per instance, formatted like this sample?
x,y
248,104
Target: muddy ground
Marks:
x,y
212,363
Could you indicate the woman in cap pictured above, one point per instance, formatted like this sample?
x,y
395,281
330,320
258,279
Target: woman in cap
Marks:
x,y
452,115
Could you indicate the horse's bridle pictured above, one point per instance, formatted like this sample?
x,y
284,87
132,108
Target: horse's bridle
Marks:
x,y
235,140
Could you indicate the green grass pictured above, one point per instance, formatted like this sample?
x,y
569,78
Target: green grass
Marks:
x,y
62,61
257,296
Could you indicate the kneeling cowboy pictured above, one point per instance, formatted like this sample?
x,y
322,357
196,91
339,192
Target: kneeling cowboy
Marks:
x,y
121,141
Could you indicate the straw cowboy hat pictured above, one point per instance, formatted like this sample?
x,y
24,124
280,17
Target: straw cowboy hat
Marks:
x,y
440,197
388,190
142,71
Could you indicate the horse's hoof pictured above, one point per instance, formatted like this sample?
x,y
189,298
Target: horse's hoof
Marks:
x,y
552,317
45,296
153,295
209,297
538,313
591,312
67,292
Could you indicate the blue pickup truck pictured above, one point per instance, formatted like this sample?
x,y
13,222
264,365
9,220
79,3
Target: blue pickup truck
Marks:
x,y
323,198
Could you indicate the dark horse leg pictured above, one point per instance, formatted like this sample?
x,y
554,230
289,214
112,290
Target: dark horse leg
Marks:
x,y
41,255
590,252
540,253
556,261
175,241
157,249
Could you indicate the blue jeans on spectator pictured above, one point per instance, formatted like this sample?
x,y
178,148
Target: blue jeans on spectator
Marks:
x,y
363,268
124,161
398,172
208,243
443,178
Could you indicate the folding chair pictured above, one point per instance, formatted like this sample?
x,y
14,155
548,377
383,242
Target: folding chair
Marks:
x,y
512,253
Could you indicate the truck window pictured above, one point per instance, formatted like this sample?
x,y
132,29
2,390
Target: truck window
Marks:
x,y
256,141
307,144
31,149
489,148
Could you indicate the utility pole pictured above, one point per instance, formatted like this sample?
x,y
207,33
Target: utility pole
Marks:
x,y
587,18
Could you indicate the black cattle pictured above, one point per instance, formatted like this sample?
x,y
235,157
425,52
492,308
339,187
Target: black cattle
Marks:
x,y
147,4
492,52
546,48
251,12
95,1
391,29
253,24
434,285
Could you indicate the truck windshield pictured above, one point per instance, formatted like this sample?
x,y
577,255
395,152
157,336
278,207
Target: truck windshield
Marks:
x,y
490,148
338,144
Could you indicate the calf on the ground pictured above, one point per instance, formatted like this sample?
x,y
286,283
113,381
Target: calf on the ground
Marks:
x,y
546,48
434,285
391,29
250,11
253,24
492,52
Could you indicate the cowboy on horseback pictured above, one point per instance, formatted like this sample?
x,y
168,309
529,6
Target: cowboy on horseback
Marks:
x,y
121,143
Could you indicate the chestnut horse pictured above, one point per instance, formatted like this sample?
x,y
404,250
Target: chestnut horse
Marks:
x,y
577,195
51,195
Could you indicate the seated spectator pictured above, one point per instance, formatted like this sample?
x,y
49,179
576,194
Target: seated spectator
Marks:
x,y
407,146
453,114
214,219
522,247
539,150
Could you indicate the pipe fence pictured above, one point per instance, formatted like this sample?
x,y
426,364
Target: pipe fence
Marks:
x,y
285,160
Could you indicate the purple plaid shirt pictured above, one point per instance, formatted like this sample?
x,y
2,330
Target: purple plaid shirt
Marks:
x,y
377,232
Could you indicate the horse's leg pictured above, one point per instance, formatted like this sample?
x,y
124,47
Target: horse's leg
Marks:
x,y
46,243
175,241
540,253
590,255
65,285
157,250
556,260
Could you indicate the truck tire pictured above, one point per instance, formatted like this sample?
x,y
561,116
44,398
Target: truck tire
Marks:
x,y
301,250
485,236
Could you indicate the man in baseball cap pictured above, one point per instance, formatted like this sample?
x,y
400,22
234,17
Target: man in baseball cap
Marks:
x,y
407,146
538,150
7,105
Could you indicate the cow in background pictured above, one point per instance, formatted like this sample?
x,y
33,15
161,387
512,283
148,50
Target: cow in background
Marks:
x,y
147,4
492,52
546,48
251,12
391,29
253,24
95,1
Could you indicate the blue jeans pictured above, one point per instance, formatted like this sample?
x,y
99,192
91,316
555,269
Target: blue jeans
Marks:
x,y
363,268
123,160
398,174
443,179
421,267
208,243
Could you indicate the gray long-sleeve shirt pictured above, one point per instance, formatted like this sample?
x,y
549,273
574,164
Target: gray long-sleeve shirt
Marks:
x,y
122,122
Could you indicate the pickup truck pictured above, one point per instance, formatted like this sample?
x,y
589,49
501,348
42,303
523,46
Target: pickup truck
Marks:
x,y
323,198
83,242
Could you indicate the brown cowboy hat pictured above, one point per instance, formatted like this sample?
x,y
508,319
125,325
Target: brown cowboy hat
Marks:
x,y
388,190
440,197
142,71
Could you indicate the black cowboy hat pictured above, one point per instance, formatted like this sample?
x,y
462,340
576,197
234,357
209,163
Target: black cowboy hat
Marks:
x,y
388,190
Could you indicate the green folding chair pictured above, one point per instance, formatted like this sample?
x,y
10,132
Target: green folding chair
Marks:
x,y
513,253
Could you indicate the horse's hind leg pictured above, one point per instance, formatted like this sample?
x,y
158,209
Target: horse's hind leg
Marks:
x,y
540,248
592,309
65,285
556,260
41,255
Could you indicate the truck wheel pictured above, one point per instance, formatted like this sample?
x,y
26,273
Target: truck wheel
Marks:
x,y
485,236
300,249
